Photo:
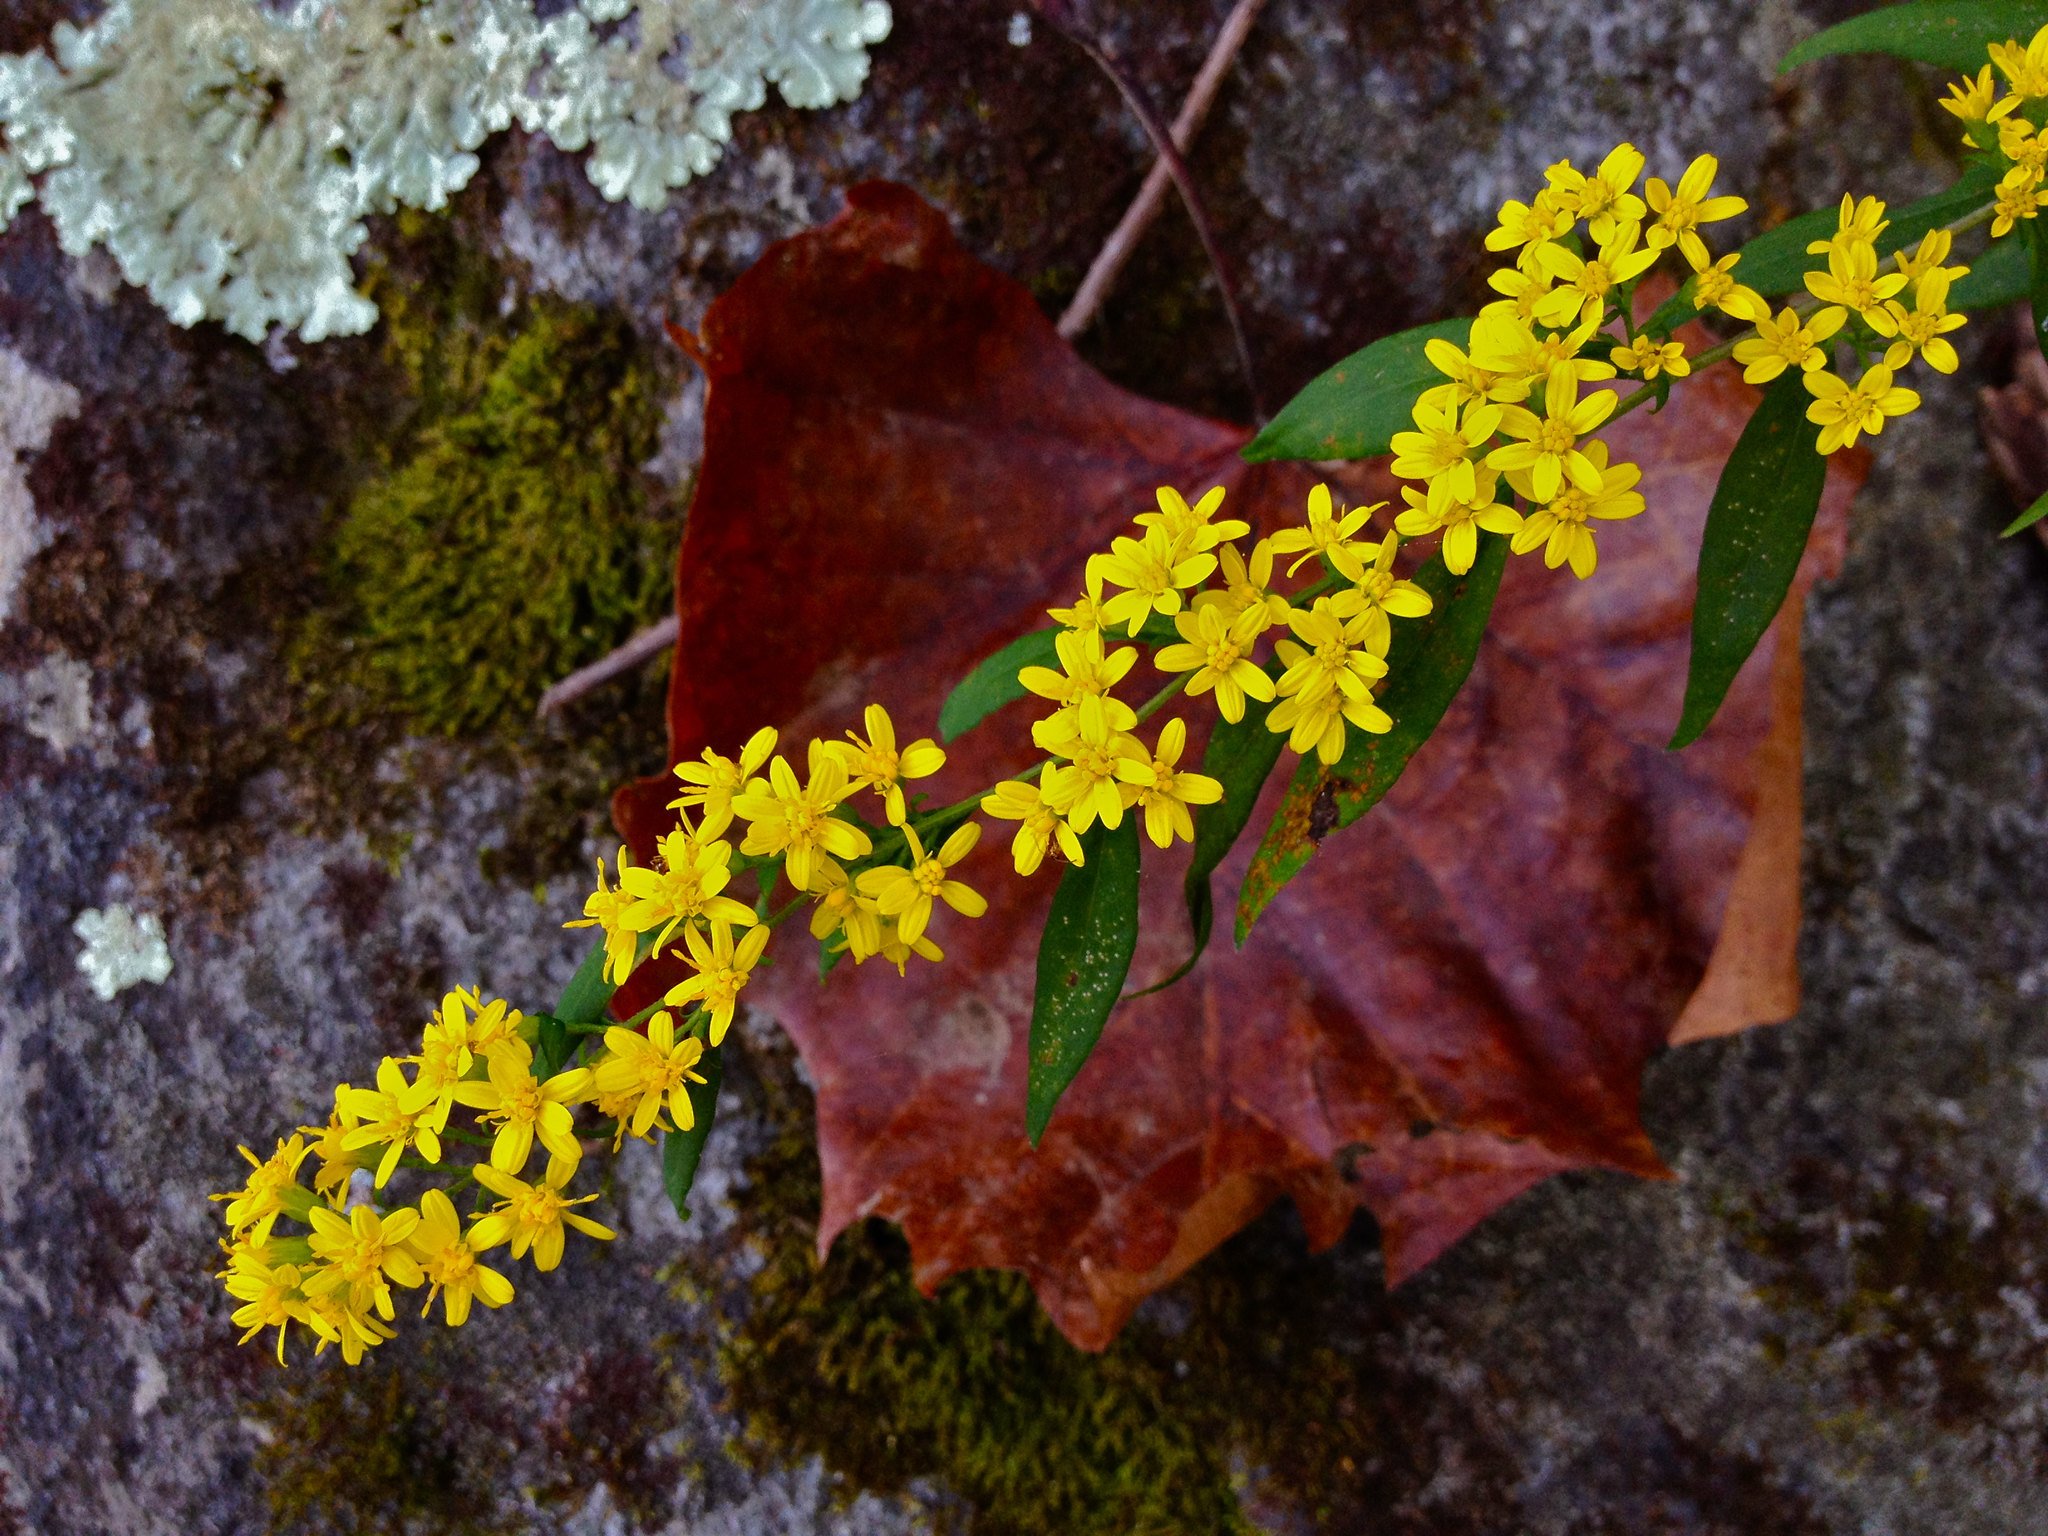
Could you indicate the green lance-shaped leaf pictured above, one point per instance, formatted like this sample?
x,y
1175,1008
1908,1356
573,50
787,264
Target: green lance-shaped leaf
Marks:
x,y
1756,531
582,1002
2027,519
1427,664
1353,410
994,683
681,1151
1952,34
1240,756
1083,956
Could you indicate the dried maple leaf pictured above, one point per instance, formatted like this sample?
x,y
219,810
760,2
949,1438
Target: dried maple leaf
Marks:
x,y
903,466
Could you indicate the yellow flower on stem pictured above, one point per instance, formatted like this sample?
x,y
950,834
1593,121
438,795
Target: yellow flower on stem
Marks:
x,y
842,909
897,950
1606,199
448,1261
1165,790
1531,298
1192,530
1086,614
2019,197
711,781
1649,357
1852,282
2020,143
653,1071
271,1297
1972,99
906,895
1329,529
1924,328
1858,223
1379,595
531,1217
1548,449
1039,828
1928,256
1217,649
1559,527
722,971
526,1109
1787,342
362,1255
605,908
1328,682
1439,452
1460,521
494,1023
1526,224
1844,413
795,820
272,1191
1085,788
1469,383
877,764
682,886
1714,287
395,1115
1513,348
1595,278
1085,672
334,1320
1681,210
2025,68
1153,570
1247,587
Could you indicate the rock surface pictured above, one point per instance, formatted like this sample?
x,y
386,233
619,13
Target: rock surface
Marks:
x,y
1832,1323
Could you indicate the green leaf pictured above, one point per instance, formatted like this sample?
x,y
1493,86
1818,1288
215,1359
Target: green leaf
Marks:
x,y
1756,531
1426,666
1952,34
994,683
583,1000
681,1151
2027,519
1083,956
1999,276
1353,410
1240,757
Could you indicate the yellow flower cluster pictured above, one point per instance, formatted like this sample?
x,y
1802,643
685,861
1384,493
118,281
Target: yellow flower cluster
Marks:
x,y
335,1278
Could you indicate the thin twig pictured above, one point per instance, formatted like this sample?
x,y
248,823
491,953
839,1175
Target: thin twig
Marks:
x,y
643,647
1123,241
1060,14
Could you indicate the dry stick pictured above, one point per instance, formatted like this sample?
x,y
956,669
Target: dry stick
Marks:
x,y
645,646
1123,241
1059,13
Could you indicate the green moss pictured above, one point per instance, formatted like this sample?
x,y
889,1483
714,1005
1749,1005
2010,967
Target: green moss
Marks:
x,y
513,542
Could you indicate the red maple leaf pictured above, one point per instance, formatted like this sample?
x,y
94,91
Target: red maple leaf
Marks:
x,y
903,467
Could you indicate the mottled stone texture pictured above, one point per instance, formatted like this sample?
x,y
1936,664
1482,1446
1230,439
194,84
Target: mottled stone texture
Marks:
x,y
1832,1323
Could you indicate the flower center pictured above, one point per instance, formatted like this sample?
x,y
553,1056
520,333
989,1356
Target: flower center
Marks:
x,y
1556,435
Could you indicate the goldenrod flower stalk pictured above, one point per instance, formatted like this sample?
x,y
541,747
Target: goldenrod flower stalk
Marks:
x,y
1166,790
711,781
1460,522
722,971
875,762
795,821
905,895
650,1072
531,1217
1217,649
1039,827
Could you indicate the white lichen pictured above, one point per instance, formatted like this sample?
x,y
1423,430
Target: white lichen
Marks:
x,y
31,405
121,949
227,152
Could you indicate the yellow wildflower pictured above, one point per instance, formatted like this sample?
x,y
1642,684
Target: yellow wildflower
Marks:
x,y
1595,278
531,1216
1217,649
1928,256
1439,453
395,1115
1510,345
1328,530
1924,328
1153,571
1681,210
1379,593
796,821
877,764
2025,68
683,886
1085,788
1857,223
842,909
1192,529
444,1060
2019,197
897,950
905,895
1086,614
334,1319
1165,790
1972,100
1851,282
1247,587
1843,413
1560,525
2022,145
1714,287
1531,297
495,1022
651,1071
271,1297
1788,343
362,1255
1328,682
1650,357
524,1108
1085,672
1469,383
711,782
1606,199
604,908
448,1262
1549,444
1526,224
1039,826
272,1191
337,1162
722,972
1460,521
